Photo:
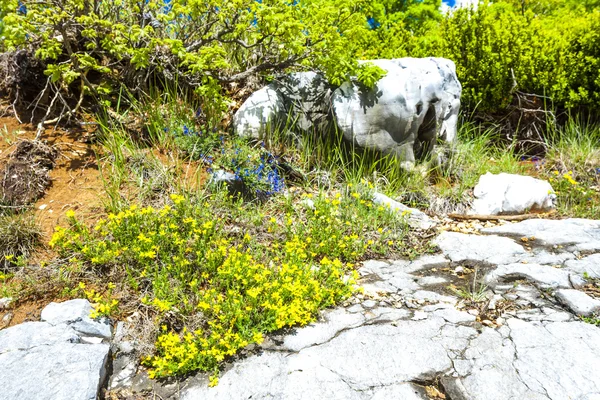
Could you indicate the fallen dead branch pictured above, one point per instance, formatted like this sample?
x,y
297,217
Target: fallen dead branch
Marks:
x,y
519,217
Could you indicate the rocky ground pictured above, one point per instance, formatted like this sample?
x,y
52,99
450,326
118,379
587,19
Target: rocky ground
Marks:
x,y
495,315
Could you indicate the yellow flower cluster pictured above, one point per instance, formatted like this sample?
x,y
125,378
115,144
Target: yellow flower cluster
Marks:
x,y
188,265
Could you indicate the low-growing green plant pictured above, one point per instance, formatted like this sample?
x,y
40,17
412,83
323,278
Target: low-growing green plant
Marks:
x,y
180,259
594,320
474,292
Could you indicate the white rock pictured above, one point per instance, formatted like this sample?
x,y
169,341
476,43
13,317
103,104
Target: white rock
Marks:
x,y
5,303
573,234
432,280
404,114
64,371
454,316
257,112
579,302
39,361
415,218
511,194
308,203
419,315
76,313
543,275
460,247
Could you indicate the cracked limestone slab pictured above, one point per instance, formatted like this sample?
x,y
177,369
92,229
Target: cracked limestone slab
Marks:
x,y
578,302
28,335
415,218
589,265
380,276
489,373
543,275
358,363
460,247
44,360
555,358
381,355
547,258
331,324
574,233
529,360
61,371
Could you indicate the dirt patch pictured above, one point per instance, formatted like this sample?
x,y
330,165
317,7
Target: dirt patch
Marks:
x,y
24,178
27,310
75,179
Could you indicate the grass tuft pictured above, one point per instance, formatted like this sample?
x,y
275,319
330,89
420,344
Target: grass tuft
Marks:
x,y
19,236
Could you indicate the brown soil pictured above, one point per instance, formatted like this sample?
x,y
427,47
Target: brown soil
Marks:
x,y
75,179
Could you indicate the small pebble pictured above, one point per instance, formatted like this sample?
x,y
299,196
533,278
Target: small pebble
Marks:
x,y
473,312
5,302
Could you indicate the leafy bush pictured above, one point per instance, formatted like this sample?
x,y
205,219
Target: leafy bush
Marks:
x,y
93,47
182,262
499,49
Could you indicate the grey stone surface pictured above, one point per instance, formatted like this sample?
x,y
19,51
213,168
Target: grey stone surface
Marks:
x,y
414,217
62,371
43,361
28,335
5,303
454,316
330,325
378,361
542,256
572,234
543,275
53,359
432,280
511,194
460,247
589,265
76,313
256,114
578,302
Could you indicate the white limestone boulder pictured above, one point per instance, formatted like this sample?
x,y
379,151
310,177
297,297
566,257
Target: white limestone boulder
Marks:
x,y
415,218
405,114
258,112
511,194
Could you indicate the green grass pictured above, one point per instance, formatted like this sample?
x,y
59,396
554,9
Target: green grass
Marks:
x,y
572,166
20,234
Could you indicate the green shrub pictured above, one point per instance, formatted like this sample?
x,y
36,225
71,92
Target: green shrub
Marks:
x,y
499,49
93,47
